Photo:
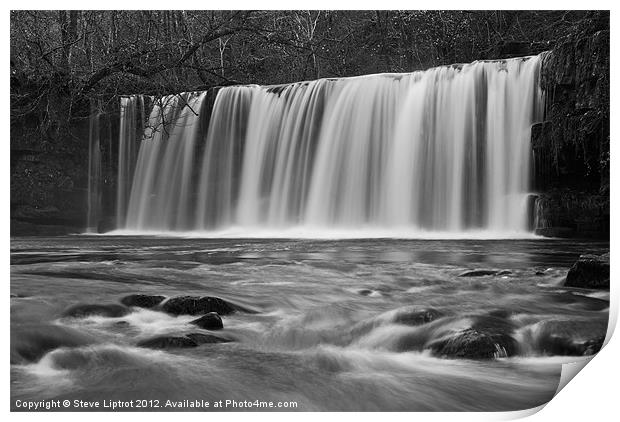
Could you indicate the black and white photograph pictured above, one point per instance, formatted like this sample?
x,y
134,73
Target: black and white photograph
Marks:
x,y
306,210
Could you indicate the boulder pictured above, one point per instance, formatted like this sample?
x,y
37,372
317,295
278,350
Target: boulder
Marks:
x,y
168,342
210,321
142,301
193,305
31,342
589,271
488,338
112,310
478,273
181,342
569,337
417,317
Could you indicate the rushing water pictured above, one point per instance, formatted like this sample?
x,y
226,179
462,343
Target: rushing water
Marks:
x,y
444,150
324,331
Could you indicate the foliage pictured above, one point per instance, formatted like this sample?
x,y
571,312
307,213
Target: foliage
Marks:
x,y
78,55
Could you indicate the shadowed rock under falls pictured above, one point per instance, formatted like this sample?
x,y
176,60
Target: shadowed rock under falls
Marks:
x,y
447,149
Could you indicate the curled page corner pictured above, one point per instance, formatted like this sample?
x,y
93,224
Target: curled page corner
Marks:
x,y
569,370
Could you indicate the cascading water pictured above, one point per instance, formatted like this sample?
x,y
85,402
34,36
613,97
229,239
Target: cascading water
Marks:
x,y
94,169
445,150
132,117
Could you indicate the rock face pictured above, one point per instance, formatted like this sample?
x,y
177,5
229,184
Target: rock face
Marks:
x,y
110,310
193,305
571,146
210,321
142,301
589,271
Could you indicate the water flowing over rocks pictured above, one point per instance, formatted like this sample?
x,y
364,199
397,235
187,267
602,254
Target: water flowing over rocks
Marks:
x,y
565,337
487,338
106,310
414,318
589,271
32,341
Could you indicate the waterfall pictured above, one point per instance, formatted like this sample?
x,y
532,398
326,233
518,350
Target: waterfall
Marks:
x,y
444,150
131,127
94,169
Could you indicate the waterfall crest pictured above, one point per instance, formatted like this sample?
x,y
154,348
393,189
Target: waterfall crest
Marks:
x,y
442,150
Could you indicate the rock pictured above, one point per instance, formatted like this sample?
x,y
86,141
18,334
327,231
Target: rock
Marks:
x,y
478,273
568,337
504,272
210,321
564,346
488,338
142,301
181,342
109,310
589,271
192,305
417,317
365,292
168,342
31,342
200,338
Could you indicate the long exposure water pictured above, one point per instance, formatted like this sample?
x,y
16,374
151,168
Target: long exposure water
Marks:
x,y
447,149
325,322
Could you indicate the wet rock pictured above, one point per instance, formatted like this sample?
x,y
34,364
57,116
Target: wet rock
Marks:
x,y
589,271
200,338
181,342
417,317
142,301
487,338
168,342
478,273
568,338
108,310
193,305
30,342
210,321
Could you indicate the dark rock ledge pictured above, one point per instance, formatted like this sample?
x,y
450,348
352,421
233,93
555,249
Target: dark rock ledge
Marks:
x,y
590,272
